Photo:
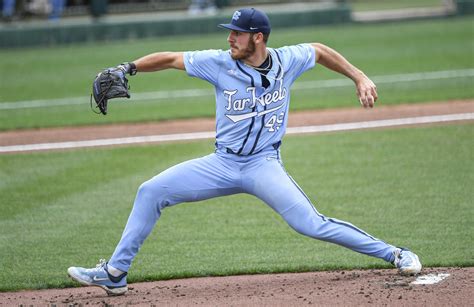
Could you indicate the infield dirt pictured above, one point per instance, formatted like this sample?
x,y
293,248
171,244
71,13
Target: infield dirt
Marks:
x,y
337,288
302,118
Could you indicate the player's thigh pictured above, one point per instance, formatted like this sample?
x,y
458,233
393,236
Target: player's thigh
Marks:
x,y
271,183
193,180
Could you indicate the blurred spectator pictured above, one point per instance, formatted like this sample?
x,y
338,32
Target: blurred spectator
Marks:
x,y
99,8
57,7
8,9
51,8
202,6
38,7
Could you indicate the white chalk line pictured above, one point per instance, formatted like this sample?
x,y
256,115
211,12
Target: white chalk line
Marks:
x,y
190,93
211,134
430,279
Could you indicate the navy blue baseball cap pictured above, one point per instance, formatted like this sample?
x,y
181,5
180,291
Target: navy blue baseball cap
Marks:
x,y
249,20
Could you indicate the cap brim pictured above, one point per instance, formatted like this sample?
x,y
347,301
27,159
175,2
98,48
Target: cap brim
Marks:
x,y
233,27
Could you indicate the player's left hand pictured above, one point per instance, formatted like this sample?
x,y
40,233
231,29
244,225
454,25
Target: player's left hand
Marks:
x,y
366,92
108,84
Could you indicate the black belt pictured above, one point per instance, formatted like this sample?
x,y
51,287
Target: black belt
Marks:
x,y
275,146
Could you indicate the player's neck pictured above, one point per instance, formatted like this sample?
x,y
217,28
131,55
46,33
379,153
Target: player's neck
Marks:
x,y
257,58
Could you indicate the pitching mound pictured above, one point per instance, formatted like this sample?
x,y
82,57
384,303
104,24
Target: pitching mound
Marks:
x,y
434,287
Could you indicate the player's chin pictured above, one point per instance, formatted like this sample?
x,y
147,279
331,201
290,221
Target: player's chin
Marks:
x,y
235,54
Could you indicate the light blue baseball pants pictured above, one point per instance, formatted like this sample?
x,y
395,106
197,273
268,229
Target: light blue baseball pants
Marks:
x,y
221,173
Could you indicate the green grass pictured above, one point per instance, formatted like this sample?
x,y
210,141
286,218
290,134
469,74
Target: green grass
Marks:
x,y
381,49
411,187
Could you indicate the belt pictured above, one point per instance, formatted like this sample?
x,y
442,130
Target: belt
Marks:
x,y
230,151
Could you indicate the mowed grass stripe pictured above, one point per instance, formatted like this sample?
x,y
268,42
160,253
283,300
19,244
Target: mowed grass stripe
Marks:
x,y
190,93
410,187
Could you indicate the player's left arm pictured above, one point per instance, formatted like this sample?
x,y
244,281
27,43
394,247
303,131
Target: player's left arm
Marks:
x,y
330,58
160,61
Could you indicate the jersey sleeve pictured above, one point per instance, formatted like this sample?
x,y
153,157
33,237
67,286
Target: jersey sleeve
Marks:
x,y
299,58
203,64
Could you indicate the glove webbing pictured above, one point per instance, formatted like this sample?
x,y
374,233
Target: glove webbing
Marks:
x,y
98,104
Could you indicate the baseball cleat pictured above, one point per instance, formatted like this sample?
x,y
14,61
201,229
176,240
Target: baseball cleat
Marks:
x,y
100,277
406,261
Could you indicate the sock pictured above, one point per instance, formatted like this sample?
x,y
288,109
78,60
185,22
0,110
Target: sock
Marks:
x,y
113,271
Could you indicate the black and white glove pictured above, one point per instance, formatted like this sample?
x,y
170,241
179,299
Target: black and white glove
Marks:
x,y
111,83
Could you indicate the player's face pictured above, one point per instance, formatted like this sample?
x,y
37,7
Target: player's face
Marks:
x,y
241,44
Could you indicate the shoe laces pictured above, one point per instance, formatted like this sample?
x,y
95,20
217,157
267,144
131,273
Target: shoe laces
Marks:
x,y
401,260
398,257
99,266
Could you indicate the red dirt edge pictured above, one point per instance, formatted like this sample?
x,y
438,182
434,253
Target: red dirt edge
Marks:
x,y
301,118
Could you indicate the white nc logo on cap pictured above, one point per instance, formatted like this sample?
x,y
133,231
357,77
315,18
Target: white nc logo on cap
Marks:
x,y
236,15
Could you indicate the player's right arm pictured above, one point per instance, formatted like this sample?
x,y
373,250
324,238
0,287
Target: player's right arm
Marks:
x,y
160,61
330,58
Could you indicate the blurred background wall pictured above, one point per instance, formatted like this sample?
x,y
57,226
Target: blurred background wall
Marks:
x,y
53,22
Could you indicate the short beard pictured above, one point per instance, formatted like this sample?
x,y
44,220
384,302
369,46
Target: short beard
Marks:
x,y
249,51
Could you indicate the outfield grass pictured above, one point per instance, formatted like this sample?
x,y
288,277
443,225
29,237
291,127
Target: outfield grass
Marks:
x,y
381,49
411,187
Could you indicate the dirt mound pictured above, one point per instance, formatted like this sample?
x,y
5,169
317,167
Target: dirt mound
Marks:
x,y
339,288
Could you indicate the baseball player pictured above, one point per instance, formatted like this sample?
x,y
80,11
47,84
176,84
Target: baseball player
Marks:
x,y
252,88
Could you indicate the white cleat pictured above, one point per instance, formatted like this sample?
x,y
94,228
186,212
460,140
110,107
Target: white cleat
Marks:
x,y
407,262
100,277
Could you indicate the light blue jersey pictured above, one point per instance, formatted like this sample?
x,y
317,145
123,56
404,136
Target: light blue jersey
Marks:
x,y
250,117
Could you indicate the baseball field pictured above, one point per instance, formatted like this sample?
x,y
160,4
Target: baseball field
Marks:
x,y
410,186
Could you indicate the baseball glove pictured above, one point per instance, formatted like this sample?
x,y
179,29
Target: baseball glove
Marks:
x,y
108,84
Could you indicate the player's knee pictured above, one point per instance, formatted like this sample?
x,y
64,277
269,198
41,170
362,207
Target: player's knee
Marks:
x,y
311,227
305,228
150,193
306,222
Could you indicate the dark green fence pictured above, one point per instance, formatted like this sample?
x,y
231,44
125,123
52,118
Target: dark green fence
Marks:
x,y
56,34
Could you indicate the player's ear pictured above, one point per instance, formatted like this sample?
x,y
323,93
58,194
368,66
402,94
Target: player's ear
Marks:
x,y
258,37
